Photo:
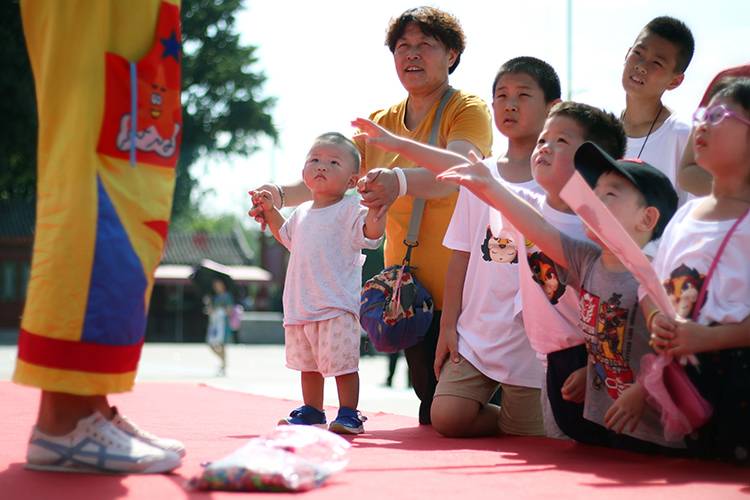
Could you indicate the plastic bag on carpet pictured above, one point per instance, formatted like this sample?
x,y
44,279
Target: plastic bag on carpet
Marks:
x,y
291,458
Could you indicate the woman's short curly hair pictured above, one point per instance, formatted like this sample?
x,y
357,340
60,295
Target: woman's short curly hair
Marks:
x,y
433,22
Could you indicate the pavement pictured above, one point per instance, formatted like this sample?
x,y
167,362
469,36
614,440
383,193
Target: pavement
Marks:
x,y
259,369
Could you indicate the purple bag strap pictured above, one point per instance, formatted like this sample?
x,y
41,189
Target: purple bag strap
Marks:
x,y
704,288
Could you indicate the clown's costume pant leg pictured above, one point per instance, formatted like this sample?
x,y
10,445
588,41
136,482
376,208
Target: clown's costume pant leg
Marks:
x,y
107,78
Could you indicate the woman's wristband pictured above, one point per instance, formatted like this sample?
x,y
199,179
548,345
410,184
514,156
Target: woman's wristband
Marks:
x,y
401,180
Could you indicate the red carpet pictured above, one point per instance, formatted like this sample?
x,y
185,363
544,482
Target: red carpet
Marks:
x,y
396,458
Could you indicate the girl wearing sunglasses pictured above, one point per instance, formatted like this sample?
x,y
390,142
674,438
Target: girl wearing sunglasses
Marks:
x,y
710,237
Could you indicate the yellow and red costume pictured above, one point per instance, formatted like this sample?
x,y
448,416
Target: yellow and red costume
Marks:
x,y
107,78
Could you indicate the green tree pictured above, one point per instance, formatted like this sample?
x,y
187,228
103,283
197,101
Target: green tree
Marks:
x,y
223,111
18,109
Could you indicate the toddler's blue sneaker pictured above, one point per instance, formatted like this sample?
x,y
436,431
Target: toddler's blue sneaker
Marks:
x,y
305,415
348,421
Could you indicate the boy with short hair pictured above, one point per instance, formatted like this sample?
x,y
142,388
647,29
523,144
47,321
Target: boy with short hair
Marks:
x,y
654,64
480,331
550,307
643,200
483,345
322,287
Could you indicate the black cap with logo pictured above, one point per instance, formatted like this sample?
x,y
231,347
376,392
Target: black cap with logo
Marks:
x,y
591,161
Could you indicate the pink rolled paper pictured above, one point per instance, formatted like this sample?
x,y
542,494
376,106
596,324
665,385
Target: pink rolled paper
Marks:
x,y
584,202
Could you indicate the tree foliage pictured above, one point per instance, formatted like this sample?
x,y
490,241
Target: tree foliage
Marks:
x,y
18,109
223,110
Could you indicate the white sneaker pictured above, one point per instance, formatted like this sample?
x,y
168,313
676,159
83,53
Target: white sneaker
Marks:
x,y
128,427
95,445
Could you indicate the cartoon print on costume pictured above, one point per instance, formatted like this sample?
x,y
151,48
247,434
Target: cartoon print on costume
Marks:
x,y
502,249
604,325
148,91
154,133
682,287
112,239
544,273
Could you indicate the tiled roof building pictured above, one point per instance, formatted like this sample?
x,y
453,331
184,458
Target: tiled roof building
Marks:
x,y
190,248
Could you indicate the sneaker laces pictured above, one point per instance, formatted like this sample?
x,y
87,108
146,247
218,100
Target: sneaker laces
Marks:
x,y
105,433
129,427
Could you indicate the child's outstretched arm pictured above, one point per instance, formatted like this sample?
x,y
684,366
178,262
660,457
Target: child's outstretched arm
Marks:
x,y
477,178
263,205
420,181
434,159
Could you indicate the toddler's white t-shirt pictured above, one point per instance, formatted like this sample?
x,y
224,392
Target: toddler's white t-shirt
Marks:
x,y
324,275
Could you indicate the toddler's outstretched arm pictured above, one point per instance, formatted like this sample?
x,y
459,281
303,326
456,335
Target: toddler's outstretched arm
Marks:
x,y
478,179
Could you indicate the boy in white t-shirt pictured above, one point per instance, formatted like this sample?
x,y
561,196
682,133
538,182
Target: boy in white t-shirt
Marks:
x,y
482,344
322,287
550,307
655,64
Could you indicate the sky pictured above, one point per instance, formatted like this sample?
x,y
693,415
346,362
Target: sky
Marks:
x,y
326,63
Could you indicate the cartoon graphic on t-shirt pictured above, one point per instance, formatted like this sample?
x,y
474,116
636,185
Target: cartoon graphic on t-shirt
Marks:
x,y
682,287
502,249
604,325
544,272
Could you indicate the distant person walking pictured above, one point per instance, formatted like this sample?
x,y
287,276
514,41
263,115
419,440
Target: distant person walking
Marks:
x,y
219,310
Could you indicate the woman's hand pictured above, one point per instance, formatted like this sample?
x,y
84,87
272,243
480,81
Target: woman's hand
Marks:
x,y
256,211
263,202
379,189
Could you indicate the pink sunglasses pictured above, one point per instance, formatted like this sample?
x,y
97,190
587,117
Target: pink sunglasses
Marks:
x,y
716,114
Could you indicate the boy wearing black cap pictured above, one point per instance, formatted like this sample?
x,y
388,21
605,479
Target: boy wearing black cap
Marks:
x,y
643,200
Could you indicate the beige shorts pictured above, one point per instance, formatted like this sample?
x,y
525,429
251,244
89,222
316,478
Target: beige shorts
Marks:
x,y
329,347
520,409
